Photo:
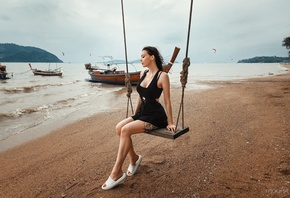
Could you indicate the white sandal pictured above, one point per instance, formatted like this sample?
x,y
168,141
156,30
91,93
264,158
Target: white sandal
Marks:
x,y
132,169
110,183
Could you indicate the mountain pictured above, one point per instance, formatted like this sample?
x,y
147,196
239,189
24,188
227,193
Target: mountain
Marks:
x,y
265,59
10,52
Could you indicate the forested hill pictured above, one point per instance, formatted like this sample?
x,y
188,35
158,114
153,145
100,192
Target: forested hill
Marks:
x,y
15,53
265,59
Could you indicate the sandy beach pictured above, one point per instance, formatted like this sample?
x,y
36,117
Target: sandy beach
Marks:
x,y
237,146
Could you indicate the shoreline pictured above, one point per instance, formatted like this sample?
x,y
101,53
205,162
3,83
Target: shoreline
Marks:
x,y
39,131
238,145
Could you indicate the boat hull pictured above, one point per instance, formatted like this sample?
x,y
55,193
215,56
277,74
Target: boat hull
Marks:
x,y
114,78
46,73
3,73
3,76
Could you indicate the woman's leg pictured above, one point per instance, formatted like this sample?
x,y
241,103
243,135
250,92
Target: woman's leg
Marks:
x,y
125,145
133,157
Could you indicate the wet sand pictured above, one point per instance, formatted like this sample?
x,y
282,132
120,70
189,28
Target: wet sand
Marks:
x,y
237,146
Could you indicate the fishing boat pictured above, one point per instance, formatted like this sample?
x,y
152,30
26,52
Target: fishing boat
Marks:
x,y
3,73
49,72
108,75
115,76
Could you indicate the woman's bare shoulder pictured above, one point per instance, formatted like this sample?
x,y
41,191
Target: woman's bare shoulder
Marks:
x,y
164,75
163,79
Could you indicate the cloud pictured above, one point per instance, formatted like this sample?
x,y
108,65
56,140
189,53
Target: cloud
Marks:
x,y
85,30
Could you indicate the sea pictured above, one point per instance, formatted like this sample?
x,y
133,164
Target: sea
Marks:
x,y
32,106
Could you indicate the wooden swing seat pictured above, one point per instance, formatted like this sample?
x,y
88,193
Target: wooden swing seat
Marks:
x,y
163,132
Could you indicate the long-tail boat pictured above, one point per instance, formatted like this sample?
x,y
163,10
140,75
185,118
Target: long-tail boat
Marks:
x,y
55,72
114,76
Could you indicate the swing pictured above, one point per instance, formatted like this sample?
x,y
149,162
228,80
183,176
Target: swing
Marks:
x,y
163,132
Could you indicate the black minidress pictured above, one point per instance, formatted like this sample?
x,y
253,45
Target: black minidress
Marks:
x,y
153,113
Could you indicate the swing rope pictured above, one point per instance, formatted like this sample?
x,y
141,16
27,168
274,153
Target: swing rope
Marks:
x,y
184,72
127,78
183,80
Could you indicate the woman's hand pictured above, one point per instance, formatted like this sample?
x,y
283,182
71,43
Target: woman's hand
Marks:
x,y
171,127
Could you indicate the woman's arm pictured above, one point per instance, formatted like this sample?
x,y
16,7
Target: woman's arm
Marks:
x,y
137,105
165,84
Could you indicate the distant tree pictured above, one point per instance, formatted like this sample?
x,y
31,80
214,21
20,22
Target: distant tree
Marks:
x,y
286,43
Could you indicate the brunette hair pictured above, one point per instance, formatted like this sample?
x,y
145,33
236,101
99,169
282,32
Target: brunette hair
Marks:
x,y
158,58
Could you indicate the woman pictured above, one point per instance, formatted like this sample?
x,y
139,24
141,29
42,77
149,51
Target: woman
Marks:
x,y
149,114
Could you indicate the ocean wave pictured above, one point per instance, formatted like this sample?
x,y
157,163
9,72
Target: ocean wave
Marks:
x,y
22,126
57,105
29,89
17,90
19,112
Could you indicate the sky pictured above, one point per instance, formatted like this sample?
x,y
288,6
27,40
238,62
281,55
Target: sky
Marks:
x,y
85,31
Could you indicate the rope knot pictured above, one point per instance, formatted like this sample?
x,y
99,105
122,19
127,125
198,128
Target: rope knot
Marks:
x,y
184,72
128,85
